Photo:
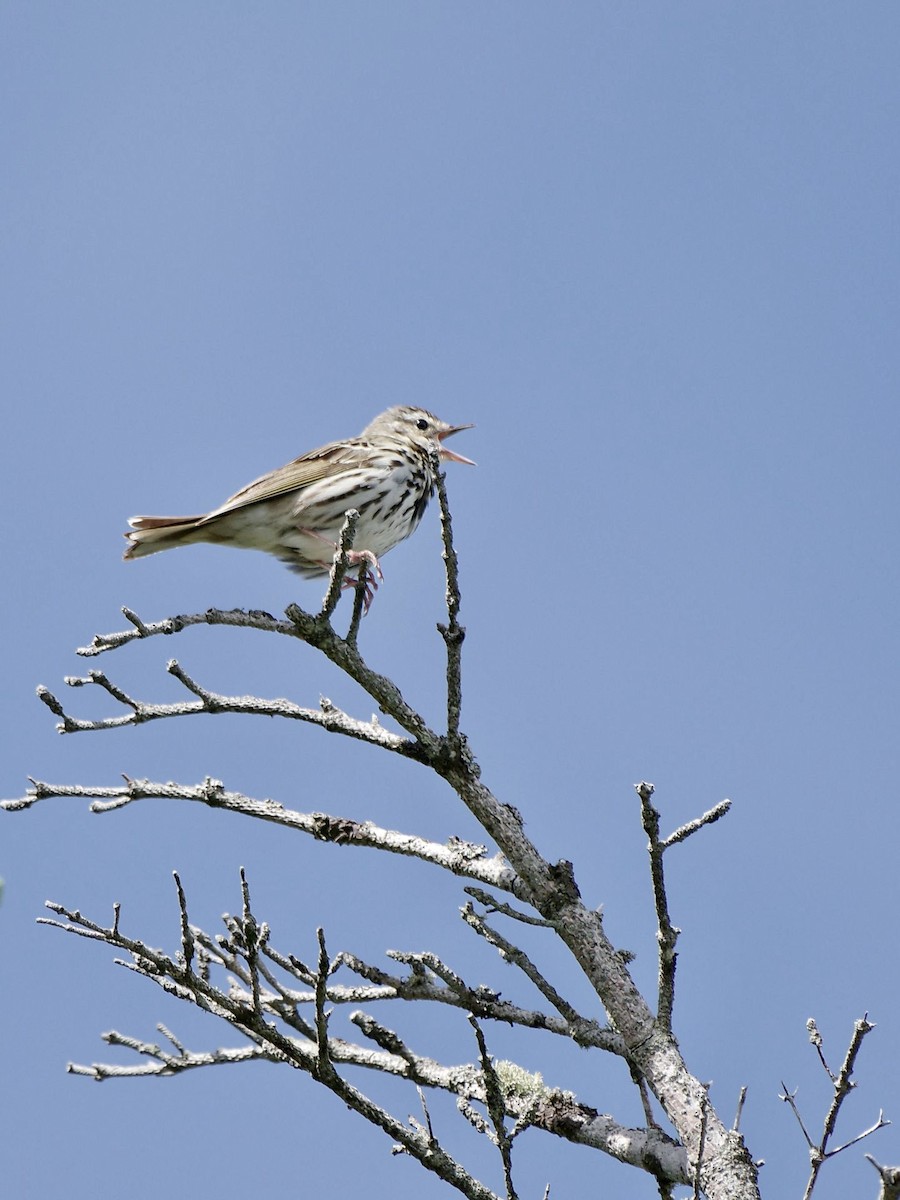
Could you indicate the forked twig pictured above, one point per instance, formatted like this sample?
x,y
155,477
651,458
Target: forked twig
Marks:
x,y
842,1085
667,933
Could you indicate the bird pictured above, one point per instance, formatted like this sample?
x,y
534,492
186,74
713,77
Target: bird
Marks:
x,y
297,511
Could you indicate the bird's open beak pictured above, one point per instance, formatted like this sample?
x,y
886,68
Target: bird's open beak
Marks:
x,y
450,455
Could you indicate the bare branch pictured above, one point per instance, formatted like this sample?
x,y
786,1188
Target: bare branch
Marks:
x,y
187,936
461,858
326,1070
742,1096
506,910
842,1084
699,1161
360,607
667,933
487,1005
427,1126
512,954
164,1063
708,818
340,564
495,1102
880,1123
644,1092
345,655
236,617
453,633
316,631
527,1100
316,1060
327,716
550,888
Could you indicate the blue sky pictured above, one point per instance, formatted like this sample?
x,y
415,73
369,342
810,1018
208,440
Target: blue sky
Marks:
x,y
651,251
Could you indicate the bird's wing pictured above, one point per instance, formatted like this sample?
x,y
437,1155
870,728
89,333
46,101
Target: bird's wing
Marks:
x,y
294,476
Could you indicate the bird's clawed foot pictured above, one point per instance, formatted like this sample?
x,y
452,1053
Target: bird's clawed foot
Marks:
x,y
370,575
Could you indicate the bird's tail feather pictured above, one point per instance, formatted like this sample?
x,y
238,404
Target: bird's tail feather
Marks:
x,y
151,534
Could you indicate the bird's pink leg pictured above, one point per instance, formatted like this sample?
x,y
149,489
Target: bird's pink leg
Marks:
x,y
365,576
355,558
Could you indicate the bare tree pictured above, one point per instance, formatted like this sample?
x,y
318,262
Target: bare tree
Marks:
x,y
281,1006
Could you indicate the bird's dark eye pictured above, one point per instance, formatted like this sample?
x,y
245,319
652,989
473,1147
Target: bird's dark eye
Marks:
x,y
422,424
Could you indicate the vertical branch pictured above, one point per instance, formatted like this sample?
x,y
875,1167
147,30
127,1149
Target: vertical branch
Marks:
x,y
667,934
495,1102
340,564
338,574
843,1083
187,934
704,1117
453,633
326,1069
742,1096
359,605
251,935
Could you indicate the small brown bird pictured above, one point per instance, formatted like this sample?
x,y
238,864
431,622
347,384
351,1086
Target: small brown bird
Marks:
x,y
296,512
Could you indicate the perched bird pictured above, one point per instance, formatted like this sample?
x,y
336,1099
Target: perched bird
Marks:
x,y
296,512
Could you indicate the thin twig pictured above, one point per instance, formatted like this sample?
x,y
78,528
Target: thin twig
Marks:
x,y
326,1069
187,936
667,933
704,1114
492,904
339,564
842,1084
345,655
512,954
790,1098
495,1102
453,633
486,1004
426,1125
236,617
557,1112
252,936
742,1096
691,827
359,605
327,716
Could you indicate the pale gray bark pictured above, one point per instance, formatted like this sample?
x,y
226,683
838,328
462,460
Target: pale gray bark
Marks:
x,y
281,1006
